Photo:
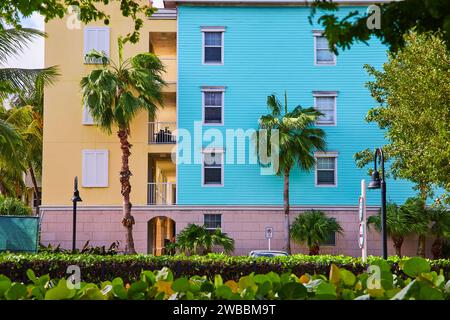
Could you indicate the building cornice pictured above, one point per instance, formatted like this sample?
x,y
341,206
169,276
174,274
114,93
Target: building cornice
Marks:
x,y
175,3
152,208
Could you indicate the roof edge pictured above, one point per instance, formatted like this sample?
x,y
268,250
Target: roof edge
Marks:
x,y
175,3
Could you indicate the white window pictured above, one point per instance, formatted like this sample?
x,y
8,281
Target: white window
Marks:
x,y
213,98
213,45
95,168
96,38
87,116
212,221
325,102
326,169
212,168
322,53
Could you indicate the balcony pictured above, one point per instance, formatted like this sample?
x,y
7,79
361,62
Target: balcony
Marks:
x,y
161,132
161,193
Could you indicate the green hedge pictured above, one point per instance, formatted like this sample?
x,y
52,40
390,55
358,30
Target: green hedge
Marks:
x,y
95,268
419,283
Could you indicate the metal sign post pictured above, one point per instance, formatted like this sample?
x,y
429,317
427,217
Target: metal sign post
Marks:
x,y
362,241
269,234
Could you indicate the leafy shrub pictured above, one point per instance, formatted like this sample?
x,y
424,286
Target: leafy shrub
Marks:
x,y
95,268
87,249
13,207
421,284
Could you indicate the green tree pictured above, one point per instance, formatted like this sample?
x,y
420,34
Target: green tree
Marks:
x,y
114,94
195,239
87,11
298,139
314,228
399,223
31,101
396,19
413,109
16,80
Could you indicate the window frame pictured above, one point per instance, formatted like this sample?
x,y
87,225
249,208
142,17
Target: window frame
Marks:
x,y
213,214
326,155
316,34
221,30
222,167
206,89
84,183
326,94
333,244
85,41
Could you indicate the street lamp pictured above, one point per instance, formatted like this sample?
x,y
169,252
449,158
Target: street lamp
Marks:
x,y
377,183
76,198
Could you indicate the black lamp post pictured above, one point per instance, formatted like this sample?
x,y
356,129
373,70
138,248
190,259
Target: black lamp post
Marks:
x,y
76,198
378,183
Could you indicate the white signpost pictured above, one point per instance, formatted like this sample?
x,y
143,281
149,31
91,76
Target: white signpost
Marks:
x,y
268,234
362,241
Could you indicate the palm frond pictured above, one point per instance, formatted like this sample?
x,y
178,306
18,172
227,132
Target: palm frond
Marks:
x,y
14,41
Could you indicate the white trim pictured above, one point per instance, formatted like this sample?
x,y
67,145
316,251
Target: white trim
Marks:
x,y
189,208
318,33
213,29
326,94
222,167
213,89
177,112
332,154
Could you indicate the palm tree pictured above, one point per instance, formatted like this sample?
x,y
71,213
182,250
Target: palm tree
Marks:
x,y
420,217
114,94
12,44
399,225
440,229
32,100
195,239
314,228
298,139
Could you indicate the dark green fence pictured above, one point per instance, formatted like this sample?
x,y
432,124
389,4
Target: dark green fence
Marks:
x,y
19,233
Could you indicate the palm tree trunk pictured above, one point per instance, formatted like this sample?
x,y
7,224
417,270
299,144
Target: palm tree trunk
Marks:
x,y
314,250
287,238
35,186
398,242
437,247
422,238
421,245
2,189
125,175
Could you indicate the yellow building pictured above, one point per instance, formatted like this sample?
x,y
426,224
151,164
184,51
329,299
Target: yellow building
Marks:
x,y
74,146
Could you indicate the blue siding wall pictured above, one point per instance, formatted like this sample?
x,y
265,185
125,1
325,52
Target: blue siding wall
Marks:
x,y
270,50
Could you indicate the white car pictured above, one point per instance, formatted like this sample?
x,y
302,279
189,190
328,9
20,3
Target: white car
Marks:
x,y
267,253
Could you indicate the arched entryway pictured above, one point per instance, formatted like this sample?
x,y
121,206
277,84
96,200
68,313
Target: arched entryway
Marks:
x,y
160,230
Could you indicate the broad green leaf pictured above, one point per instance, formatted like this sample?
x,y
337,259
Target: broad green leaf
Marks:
x,y
180,285
223,292
17,291
292,291
334,274
415,266
5,284
60,292
347,277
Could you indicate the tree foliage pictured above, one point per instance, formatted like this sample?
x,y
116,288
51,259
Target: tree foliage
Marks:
x,y
196,239
11,11
413,96
313,228
396,18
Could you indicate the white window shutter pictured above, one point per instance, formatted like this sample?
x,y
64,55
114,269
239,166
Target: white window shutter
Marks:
x,y
96,38
87,116
95,168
